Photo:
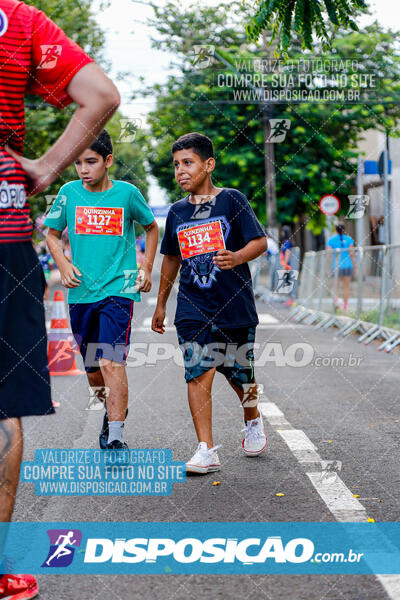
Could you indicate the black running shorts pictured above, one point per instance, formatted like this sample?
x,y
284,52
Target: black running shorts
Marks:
x,y
24,372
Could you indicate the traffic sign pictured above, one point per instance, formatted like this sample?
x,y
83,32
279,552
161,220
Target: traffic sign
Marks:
x,y
329,205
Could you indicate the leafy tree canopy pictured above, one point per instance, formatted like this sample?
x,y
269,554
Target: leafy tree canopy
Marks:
x,y
318,155
300,19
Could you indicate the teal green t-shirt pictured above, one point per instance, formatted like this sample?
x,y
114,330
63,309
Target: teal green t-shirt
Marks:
x,y
102,235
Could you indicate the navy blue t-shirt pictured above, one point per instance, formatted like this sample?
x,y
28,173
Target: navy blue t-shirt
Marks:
x,y
206,293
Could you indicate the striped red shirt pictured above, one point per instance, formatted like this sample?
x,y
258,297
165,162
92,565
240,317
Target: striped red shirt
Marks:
x,y
36,57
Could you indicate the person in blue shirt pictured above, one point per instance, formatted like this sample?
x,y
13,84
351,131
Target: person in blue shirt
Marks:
x,y
346,264
211,235
285,256
286,246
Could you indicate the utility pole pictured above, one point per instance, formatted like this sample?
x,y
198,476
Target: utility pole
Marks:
x,y
386,191
360,191
269,161
269,154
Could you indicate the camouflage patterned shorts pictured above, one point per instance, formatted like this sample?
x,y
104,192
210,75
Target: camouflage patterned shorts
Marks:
x,y
230,351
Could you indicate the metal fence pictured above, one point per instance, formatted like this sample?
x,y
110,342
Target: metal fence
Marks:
x,y
268,275
373,308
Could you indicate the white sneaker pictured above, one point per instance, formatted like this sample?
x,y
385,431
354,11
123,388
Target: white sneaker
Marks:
x,y
205,460
255,440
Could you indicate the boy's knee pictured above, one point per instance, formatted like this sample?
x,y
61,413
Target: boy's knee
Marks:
x,y
109,367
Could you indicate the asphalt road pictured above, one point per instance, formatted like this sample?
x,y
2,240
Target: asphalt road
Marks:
x,y
349,414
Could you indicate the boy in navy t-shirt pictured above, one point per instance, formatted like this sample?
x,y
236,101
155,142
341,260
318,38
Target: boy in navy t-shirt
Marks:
x,y
211,234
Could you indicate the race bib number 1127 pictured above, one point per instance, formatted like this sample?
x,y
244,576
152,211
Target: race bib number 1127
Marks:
x,y
97,220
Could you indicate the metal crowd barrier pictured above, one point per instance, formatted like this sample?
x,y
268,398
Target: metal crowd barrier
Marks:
x,y
374,298
265,271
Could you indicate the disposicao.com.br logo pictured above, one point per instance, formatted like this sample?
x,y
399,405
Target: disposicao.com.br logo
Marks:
x,y
203,547
191,550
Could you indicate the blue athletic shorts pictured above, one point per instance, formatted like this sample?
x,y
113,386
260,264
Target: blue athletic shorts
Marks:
x,y
231,351
102,330
346,272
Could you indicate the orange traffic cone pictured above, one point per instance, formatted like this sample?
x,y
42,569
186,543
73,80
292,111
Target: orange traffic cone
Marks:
x,y
60,352
59,322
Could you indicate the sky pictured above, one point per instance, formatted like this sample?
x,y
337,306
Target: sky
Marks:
x,y
128,49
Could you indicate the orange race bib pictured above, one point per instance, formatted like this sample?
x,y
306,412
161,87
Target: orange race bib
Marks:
x,y
201,239
96,220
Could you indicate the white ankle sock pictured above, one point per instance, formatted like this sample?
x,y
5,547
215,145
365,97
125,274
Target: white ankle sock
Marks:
x,y
115,431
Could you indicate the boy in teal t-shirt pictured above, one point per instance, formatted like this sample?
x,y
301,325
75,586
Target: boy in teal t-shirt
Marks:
x,y
102,279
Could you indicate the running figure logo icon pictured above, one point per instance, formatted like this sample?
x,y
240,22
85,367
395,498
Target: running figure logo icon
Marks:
x,y
357,206
202,56
286,281
62,547
50,56
279,129
129,128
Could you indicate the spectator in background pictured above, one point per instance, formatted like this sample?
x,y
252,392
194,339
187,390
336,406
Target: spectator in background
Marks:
x,y
345,262
285,252
286,246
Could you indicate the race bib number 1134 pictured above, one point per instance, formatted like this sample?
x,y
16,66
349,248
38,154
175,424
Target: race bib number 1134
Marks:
x,y
201,239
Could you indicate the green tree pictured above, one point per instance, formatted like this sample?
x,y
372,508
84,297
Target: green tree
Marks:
x,y
192,99
318,156
44,123
301,19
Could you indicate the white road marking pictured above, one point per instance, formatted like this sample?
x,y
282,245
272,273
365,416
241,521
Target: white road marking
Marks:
x,y
338,498
270,409
333,491
301,446
147,321
391,583
273,414
149,330
266,319
152,300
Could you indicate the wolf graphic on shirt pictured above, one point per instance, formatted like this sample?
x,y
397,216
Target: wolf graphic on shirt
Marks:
x,y
202,268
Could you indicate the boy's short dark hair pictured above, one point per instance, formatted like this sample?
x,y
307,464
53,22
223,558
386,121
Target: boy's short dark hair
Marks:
x,y
199,143
102,144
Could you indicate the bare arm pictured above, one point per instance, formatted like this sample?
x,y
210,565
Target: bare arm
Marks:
x,y
68,271
149,254
97,99
169,271
226,259
287,256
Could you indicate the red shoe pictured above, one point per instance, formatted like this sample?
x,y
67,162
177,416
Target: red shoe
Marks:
x,y
18,587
